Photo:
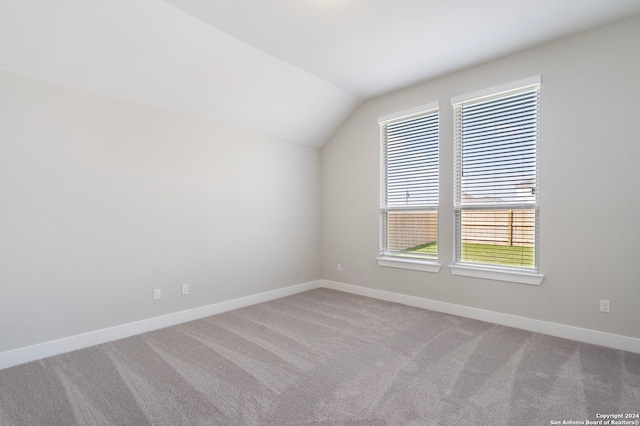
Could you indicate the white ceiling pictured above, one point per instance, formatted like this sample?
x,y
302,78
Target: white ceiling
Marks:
x,y
289,69
370,47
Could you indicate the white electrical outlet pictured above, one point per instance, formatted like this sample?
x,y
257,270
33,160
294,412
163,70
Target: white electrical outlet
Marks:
x,y
156,294
605,306
339,267
185,289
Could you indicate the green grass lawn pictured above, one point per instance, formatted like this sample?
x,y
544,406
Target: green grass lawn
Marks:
x,y
522,257
429,248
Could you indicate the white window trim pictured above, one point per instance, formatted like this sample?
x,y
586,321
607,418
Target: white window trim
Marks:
x,y
409,112
497,90
493,272
496,273
413,264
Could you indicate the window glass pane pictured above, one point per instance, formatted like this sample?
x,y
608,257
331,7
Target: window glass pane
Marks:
x,y
414,232
499,149
412,162
498,237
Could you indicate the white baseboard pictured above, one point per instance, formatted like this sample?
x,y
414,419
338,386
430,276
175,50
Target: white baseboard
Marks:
x,y
80,341
585,335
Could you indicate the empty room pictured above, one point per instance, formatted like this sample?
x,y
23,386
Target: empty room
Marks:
x,y
319,212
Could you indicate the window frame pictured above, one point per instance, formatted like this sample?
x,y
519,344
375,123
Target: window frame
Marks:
x,y
385,257
492,271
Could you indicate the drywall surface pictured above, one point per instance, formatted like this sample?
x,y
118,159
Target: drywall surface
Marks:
x,y
589,204
150,53
104,201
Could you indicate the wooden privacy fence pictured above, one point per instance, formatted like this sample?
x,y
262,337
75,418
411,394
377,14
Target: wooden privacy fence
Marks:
x,y
499,227
407,230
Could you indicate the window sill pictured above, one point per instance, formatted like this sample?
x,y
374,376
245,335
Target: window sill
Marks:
x,y
413,264
500,274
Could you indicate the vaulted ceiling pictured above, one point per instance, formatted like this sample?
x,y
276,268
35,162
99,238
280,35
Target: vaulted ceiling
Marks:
x,y
290,69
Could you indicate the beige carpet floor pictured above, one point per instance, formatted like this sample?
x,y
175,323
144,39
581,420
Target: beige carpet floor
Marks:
x,y
325,358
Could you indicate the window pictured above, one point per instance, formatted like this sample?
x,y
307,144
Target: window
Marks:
x,y
409,189
496,180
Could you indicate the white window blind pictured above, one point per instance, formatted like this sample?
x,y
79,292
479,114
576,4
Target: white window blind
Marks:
x,y
410,184
496,179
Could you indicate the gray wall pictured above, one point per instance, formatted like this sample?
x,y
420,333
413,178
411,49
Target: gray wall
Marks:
x,y
103,201
590,204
